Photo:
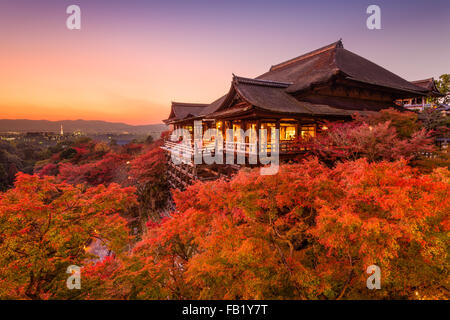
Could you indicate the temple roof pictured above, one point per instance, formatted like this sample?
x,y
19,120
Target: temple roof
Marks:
x,y
182,110
274,90
319,66
270,96
430,85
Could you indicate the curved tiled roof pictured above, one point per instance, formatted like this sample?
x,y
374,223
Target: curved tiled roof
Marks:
x,y
272,96
322,64
213,106
182,110
274,89
430,85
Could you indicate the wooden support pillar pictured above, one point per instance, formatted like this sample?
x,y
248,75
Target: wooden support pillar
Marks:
x,y
277,127
258,126
244,128
297,129
194,171
222,128
226,125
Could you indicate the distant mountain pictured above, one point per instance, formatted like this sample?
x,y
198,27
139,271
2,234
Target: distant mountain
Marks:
x,y
85,126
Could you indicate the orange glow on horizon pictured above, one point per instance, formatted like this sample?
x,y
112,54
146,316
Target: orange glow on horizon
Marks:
x,y
69,76
131,59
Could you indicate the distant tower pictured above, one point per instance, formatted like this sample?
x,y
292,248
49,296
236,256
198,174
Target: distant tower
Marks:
x,y
62,131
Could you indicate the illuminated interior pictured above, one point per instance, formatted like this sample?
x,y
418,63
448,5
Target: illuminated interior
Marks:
x,y
253,134
308,131
287,131
236,132
270,127
189,128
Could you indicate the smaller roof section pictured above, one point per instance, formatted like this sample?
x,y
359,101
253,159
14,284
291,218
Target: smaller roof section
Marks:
x,y
430,85
323,64
183,110
272,96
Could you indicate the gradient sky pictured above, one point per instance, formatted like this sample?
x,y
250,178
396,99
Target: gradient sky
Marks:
x,y
132,58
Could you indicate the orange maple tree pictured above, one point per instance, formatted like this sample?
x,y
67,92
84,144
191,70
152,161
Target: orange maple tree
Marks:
x,y
309,232
47,226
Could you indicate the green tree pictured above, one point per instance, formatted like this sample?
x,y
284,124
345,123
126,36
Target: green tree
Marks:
x,y
443,84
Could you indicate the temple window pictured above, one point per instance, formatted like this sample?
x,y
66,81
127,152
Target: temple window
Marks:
x,y
287,131
308,131
270,127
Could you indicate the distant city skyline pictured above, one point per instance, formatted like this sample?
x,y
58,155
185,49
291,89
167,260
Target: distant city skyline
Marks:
x,y
132,58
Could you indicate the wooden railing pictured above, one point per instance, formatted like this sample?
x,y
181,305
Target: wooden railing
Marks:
x,y
185,151
180,150
289,146
241,148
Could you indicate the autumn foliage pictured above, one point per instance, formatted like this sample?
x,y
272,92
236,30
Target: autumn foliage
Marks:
x,y
47,226
309,232
351,141
96,163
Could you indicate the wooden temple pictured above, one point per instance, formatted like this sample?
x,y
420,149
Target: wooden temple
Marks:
x,y
296,97
419,103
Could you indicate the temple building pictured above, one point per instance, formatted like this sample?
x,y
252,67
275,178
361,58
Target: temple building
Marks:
x,y
296,97
422,102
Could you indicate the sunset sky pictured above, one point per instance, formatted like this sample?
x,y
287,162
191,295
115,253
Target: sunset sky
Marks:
x,y
132,58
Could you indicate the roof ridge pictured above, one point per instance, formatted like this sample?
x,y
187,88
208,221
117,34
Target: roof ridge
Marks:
x,y
334,45
261,82
428,79
189,104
